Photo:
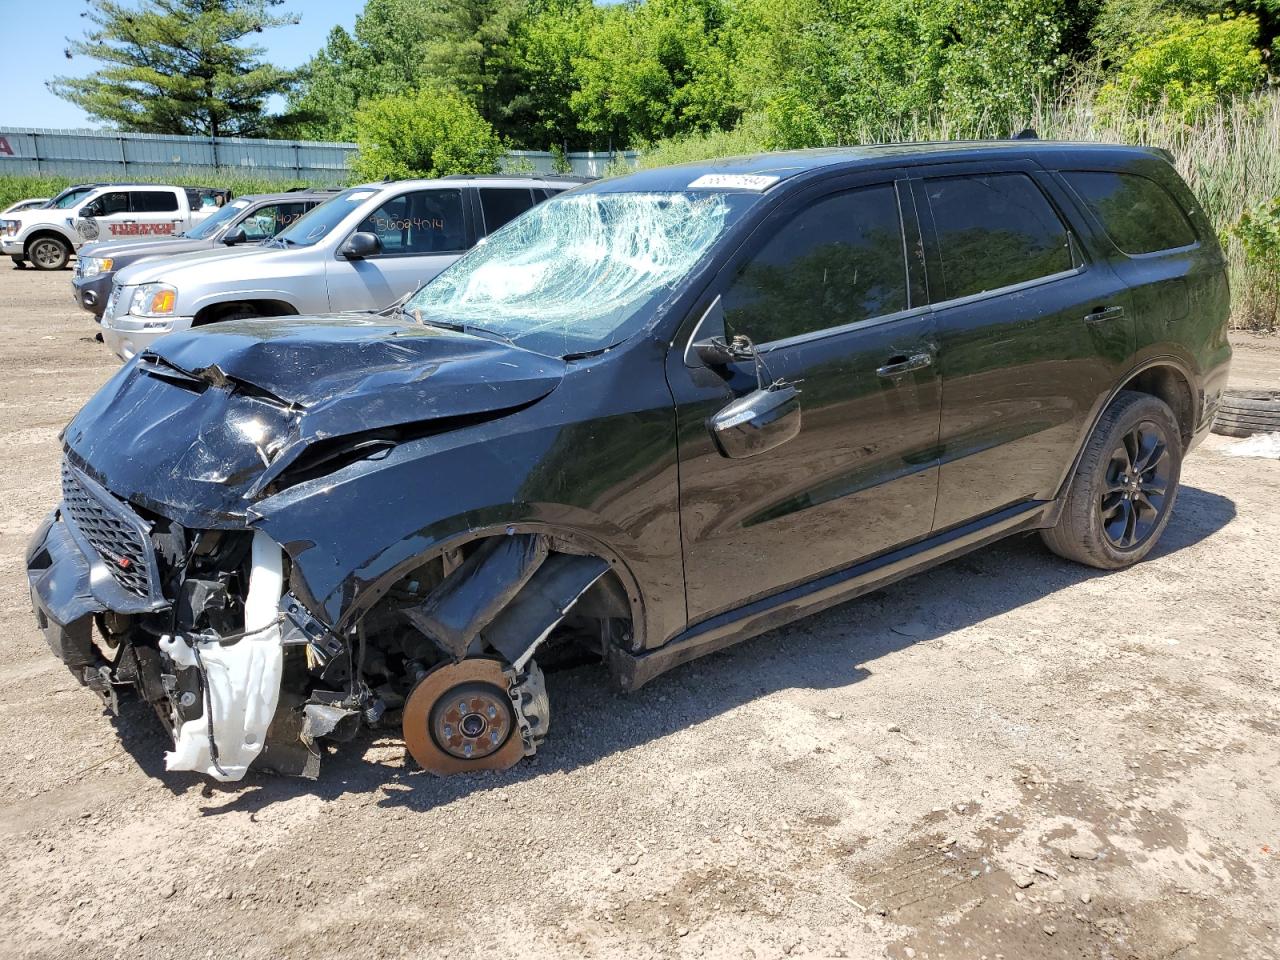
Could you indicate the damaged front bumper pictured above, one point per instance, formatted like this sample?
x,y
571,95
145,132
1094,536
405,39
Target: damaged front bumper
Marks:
x,y
92,564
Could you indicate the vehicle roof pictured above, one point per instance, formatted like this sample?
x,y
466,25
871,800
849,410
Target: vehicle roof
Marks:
x,y
302,194
488,179
788,164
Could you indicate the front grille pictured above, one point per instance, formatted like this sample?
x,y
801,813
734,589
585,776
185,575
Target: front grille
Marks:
x,y
114,530
79,268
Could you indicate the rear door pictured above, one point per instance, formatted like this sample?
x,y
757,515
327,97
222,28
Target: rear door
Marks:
x,y
825,290
154,213
421,232
1032,331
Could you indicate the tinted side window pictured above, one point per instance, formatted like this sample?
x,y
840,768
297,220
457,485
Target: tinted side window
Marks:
x,y
1138,214
269,220
501,206
109,203
836,262
154,201
995,231
429,221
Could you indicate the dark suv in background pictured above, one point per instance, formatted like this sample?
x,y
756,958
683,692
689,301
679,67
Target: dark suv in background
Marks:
x,y
248,219
648,418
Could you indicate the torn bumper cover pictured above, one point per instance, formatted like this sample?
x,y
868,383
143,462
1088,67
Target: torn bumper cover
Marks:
x,y
218,693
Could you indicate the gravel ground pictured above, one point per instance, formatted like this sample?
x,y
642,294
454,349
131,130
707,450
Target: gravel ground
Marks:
x,y
1009,756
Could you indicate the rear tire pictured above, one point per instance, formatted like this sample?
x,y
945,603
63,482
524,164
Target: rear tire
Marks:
x,y
48,253
1123,489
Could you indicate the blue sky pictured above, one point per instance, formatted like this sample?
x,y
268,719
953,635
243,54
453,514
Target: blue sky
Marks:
x,y
33,37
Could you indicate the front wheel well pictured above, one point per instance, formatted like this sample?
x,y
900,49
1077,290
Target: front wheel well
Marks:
x,y
509,596
237,309
1168,383
51,234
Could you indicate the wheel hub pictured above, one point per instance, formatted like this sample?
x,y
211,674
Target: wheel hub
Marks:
x,y
471,721
460,717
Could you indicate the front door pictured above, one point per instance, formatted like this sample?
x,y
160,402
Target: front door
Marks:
x,y
420,232
1032,332
825,291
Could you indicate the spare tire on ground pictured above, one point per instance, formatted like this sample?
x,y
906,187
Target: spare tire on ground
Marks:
x,y
1246,412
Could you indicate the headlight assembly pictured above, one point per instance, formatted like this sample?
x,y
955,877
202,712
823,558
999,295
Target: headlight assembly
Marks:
x,y
154,300
96,265
9,228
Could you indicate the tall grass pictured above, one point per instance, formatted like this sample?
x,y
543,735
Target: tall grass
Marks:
x,y
1230,157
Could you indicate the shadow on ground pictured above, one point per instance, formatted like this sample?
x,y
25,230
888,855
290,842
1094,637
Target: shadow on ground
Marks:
x,y
591,720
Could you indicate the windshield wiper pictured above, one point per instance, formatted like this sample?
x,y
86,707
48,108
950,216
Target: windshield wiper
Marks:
x,y
457,327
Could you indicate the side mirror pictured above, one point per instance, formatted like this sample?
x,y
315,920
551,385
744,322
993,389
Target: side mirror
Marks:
x,y
361,245
758,421
235,236
715,352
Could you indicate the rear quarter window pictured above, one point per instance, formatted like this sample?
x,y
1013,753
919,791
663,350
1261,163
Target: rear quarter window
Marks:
x,y
1138,214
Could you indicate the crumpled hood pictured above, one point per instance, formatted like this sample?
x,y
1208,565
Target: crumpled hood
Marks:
x,y
194,427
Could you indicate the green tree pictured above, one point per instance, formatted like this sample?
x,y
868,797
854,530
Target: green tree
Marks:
x,y
539,113
843,71
654,69
404,45
179,66
1192,66
430,133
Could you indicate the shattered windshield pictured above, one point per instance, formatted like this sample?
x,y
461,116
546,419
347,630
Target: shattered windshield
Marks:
x,y
577,273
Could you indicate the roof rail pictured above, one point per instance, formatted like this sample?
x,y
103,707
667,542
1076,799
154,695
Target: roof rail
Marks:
x,y
518,176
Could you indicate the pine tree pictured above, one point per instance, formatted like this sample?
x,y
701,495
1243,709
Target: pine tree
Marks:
x,y
178,66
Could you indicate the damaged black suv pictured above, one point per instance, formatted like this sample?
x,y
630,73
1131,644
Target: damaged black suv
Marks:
x,y
649,418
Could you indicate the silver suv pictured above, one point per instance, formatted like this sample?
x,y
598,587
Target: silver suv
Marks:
x,y
363,250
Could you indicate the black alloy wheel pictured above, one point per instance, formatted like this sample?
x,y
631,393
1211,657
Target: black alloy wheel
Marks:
x,y
1136,494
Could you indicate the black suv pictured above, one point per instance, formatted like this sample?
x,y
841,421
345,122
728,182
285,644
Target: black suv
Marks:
x,y
649,418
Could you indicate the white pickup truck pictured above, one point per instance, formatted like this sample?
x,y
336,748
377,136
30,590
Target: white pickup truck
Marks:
x,y
46,237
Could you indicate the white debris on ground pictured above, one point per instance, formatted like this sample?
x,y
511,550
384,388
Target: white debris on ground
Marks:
x,y
1259,445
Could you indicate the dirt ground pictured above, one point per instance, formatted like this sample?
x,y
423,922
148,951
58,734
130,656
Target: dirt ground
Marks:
x,y
1008,757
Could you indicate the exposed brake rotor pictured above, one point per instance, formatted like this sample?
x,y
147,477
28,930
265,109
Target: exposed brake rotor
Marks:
x,y
460,718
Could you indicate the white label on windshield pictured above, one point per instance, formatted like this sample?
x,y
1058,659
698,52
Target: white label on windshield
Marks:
x,y
239,204
733,181
362,195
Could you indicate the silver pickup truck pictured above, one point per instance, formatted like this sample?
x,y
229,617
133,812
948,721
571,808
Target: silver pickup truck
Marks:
x,y
362,250
248,219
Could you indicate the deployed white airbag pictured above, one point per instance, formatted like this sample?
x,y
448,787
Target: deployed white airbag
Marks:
x,y
243,678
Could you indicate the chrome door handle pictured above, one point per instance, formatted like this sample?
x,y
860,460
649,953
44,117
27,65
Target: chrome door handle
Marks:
x,y
1103,314
899,365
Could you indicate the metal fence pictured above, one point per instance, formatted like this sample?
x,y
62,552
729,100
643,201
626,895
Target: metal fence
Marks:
x,y
104,155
